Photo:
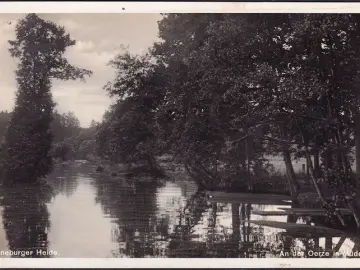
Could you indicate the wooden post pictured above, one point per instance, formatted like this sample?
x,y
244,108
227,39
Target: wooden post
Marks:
x,y
235,223
339,244
328,246
317,163
316,243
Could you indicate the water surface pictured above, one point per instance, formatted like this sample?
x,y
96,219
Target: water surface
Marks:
x,y
88,215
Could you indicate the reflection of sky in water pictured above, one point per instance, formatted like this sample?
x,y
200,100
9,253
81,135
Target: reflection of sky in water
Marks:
x,y
78,228
171,202
224,221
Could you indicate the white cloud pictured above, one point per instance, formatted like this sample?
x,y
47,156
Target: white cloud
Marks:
x,y
84,46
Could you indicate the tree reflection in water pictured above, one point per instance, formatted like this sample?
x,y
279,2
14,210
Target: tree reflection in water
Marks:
x,y
64,178
26,218
133,207
144,232
199,229
181,242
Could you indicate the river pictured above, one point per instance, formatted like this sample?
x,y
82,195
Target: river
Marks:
x,y
88,215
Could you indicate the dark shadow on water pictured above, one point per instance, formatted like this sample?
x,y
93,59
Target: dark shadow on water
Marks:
x,y
133,207
26,218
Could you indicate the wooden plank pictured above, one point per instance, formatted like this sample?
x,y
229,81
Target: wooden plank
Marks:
x,y
269,199
339,244
313,211
220,194
306,234
285,213
302,209
295,229
250,201
269,213
312,195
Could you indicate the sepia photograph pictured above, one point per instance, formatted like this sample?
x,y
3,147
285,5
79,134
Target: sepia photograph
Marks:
x,y
180,135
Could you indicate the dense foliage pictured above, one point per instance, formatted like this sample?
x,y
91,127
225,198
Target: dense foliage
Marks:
x,y
128,132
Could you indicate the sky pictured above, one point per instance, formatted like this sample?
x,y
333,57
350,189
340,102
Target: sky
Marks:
x,y
100,37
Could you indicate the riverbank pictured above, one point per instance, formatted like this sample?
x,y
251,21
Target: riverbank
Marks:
x,y
168,168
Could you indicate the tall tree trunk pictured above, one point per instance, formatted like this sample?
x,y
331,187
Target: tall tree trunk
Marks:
x,y
316,163
307,173
328,161
345,162
248,157
312,175
291,177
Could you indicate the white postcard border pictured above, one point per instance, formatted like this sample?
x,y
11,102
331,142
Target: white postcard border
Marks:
x,y
176,7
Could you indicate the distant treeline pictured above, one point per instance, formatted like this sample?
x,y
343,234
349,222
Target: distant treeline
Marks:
x,y
4,121
70,141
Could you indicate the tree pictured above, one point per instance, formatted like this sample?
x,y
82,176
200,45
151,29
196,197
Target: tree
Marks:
x,y
85,142
64,126
334,56
39,46
127,133
66,129
209,99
